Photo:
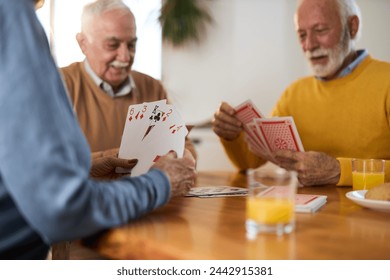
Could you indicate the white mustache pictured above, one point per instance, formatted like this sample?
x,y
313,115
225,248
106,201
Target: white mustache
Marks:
x,y
119,64
316,53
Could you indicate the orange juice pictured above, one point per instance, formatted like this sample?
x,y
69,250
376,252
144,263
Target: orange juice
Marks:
x,y
365,181
269,210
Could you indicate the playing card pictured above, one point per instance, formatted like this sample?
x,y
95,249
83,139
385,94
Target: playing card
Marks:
x,y
279,134
247,111
217,191
168,136
257,144
151,130
154,116
304,203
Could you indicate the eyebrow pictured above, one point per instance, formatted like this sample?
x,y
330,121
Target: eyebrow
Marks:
x,y
113,38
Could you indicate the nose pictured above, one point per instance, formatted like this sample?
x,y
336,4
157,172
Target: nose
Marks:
x,y
310,42
124,53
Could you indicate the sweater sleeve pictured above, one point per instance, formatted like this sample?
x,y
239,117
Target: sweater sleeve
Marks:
x,y
239,153
346,171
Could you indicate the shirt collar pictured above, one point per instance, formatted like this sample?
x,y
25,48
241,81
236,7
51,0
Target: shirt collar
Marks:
x,y
124,90
361,55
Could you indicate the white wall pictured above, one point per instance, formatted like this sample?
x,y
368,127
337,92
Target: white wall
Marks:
x,y
376,25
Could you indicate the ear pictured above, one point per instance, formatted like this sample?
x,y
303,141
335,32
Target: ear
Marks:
x,y
82,41
353,24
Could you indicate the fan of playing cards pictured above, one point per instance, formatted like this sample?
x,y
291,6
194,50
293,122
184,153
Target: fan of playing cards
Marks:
x,y
267,135
151,130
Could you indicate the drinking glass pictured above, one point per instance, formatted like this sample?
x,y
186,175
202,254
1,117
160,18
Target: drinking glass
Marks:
x,y
271,201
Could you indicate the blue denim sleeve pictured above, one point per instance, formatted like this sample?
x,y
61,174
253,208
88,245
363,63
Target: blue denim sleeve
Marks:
x,y
44,157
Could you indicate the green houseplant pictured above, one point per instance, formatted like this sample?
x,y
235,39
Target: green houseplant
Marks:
x,y
183,21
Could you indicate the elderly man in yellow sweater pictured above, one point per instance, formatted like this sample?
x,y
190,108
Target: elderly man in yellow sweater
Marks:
x,y
342,112
103,86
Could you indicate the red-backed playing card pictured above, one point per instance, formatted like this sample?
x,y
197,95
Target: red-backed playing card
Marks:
x,y
279,134
247,111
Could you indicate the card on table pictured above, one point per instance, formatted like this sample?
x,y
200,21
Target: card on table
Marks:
x,y
309,203
304,203
217,191
151,130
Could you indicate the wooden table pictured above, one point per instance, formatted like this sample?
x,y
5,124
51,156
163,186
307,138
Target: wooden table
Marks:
x,y
213,228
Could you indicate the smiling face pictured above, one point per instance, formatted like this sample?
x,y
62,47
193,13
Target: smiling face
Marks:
x,y
324,40
109,44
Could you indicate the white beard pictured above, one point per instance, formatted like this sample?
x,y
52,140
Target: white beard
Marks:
x,y
336,57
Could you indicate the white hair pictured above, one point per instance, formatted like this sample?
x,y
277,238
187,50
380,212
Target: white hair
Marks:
x,y
348,8
97,8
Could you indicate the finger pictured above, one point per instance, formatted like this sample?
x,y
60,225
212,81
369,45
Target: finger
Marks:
x,y
225,107
286,156
223,119
171,154
227,134
188,155
111,152
125,163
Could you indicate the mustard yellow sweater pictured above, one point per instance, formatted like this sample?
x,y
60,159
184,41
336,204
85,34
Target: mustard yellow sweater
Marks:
x,y
346,118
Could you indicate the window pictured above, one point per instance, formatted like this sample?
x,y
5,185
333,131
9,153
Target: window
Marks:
x,y
61,20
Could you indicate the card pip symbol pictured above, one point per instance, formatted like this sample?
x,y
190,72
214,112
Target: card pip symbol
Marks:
x,y
139,115
156,117
156,114
174,128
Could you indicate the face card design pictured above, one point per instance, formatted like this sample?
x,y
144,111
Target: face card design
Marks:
x,y
279,134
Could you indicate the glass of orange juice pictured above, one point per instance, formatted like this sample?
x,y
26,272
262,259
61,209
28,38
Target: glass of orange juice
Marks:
x,y
367,173
271,201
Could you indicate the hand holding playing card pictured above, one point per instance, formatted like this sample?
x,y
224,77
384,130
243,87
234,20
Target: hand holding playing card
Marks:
x,y
103,168
225,123
180,171
313,168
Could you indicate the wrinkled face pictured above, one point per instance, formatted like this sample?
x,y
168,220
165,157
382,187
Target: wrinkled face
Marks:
x,y
109,45
324,40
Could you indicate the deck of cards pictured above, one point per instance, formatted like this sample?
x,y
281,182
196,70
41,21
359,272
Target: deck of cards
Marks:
x,y
151,130
267,135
